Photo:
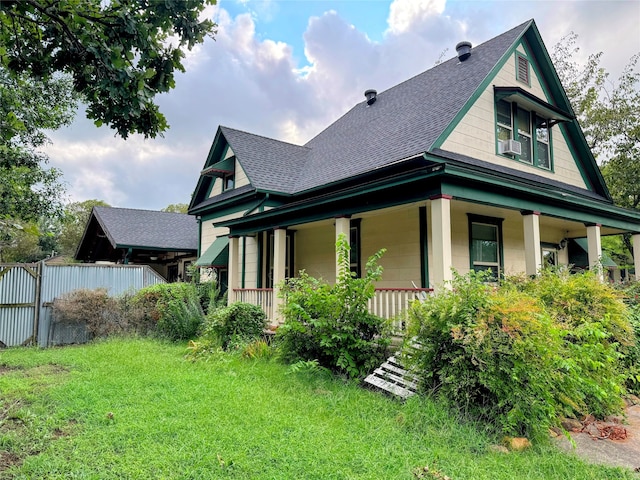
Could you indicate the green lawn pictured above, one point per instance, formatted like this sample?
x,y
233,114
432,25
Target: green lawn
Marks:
x,y
138,409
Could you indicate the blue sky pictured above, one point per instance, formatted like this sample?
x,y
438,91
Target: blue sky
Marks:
x,y
288,68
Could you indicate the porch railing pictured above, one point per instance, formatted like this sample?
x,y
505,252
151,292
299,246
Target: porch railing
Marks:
x,y
393,303
389,303
262,297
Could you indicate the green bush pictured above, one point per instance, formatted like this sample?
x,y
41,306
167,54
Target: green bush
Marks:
x,y
235,325
597,333
331,324
174,308
524,353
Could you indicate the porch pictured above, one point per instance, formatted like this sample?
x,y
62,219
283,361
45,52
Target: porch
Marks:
x,y
388,303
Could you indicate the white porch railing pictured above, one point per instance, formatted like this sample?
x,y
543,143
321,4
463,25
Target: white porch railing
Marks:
x,y
389,303
262,297
393,303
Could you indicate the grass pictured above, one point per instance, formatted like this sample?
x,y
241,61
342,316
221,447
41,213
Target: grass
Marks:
x,y
134,408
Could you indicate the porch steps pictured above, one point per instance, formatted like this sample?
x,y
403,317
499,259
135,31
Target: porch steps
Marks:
x,y
392,377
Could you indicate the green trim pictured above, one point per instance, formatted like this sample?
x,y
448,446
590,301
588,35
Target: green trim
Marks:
x,y
478,92
582,214
424,247
518,56
356,224
260,240
228,208
199,220
244,261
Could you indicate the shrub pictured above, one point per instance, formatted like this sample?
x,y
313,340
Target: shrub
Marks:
x,y
92,309
173,307
526,352
596,331
237,324
331,324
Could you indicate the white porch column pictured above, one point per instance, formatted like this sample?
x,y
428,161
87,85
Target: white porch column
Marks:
x,y
343,226
232,272
279,267
532,251
441,240
594,246
636,254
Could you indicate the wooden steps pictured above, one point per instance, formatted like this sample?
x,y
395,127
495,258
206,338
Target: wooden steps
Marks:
x,y
393,378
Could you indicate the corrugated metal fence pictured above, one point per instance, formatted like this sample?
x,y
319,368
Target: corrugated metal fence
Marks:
x,y
27,292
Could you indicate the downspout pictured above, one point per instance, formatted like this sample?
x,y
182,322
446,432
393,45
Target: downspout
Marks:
x,y
128,255
259,205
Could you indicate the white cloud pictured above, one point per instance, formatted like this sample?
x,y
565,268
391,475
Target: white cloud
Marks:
x,y
404,14
254,84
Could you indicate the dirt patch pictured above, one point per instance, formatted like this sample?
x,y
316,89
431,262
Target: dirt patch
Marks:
x,y
8,460
4,369
614,442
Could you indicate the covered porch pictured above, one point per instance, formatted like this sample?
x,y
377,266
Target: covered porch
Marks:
x,y
425,241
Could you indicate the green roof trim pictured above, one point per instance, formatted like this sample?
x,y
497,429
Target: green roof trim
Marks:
x,y
217,255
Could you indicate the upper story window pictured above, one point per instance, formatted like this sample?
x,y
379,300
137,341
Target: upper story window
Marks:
x,y
228,181
522,69
529,129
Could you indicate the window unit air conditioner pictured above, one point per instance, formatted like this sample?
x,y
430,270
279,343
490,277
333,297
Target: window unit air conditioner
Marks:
x,y
510,147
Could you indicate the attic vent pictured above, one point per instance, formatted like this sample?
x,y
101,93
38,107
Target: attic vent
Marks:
x,y
464,50
523,69
371,96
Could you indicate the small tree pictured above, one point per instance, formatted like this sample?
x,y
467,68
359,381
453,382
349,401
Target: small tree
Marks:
x,y
331,324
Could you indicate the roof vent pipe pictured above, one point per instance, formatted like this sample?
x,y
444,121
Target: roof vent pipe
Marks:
x,y
371,96
464,50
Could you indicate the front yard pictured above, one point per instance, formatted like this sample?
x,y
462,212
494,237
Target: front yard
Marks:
x,y
136,408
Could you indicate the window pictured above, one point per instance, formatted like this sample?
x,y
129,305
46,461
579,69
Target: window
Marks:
x,y
522,69
516,123
228,181
485,244
549,257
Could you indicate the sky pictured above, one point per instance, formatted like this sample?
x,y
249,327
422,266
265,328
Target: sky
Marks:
x,y
286,69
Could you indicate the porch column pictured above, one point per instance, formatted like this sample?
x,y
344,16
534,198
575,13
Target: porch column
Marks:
x,y
343,226
279,268
232,269
636,254
594,247
532,252
441,240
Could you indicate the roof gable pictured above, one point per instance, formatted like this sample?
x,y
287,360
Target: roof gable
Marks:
x,y
405,121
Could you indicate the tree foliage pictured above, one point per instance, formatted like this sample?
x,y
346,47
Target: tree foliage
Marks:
x,y
176,208
119,53
74,221
609,114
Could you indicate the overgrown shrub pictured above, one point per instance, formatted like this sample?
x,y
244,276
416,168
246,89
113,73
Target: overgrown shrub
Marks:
x,y
239,323
596,332
631,360
92,309
526,352
331,324
174,308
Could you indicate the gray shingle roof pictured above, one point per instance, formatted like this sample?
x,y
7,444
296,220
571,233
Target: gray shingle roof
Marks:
x,y
270,164
404,121
126,227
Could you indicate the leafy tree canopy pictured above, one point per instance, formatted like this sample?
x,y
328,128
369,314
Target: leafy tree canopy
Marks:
x,y
119,53
609,114
176,208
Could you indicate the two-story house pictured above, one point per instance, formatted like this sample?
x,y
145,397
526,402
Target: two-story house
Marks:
x,y
475,164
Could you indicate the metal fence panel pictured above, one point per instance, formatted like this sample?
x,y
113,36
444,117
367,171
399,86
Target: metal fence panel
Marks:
x,y
61,279
18,297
